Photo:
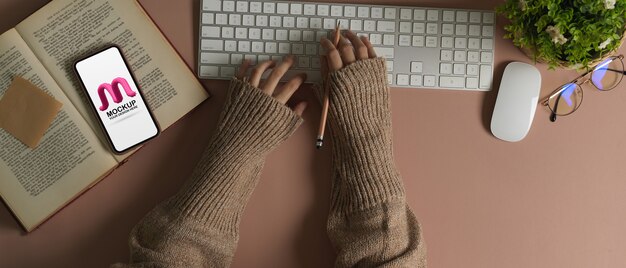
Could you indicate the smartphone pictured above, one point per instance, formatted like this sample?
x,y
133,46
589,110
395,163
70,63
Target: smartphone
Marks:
x,y
116,99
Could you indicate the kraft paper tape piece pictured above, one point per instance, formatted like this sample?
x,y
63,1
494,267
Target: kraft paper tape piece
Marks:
x,y
26,111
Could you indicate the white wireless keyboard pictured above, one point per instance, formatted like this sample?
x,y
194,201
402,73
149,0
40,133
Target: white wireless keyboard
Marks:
x,y
424,47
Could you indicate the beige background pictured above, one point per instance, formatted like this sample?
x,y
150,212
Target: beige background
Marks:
x,y
556,199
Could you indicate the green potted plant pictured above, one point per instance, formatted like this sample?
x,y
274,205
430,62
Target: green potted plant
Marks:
x,y
573,34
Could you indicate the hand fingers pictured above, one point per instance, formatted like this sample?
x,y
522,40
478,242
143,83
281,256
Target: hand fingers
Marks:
x,y
257,72
360,50
300,107
243,69
277,74
332,56
347,51
287,90
370,49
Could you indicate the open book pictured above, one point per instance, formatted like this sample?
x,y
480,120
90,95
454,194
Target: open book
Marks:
x,y
73,155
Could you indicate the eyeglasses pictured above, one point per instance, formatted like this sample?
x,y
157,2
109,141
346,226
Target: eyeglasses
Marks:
x,y
568,97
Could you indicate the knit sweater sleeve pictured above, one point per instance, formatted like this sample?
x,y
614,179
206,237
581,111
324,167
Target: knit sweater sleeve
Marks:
x,y
370,223
199,226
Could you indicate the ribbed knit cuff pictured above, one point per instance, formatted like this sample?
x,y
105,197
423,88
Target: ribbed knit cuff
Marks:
x,y
250,126
361,131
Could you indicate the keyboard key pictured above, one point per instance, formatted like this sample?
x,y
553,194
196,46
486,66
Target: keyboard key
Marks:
x,y
282,8
212,5
268,34
336,11
212,71
418,41
416,80
295,35
387,26
390,78
289,22
376,39
369,26
297,49
488,31
268,8
472,69
261,21
284,48
460,42
236,59
431,28
228,32
234,19
432,15
210,31
254,33
258,47
402,80
471,82
459,55
311,49
350,11
363,12
461,29
474,30
445,68
404,40
309,9
430,80
276,21
447,42
473,43
214,45
447,29
208,18
472,56
451,82
256,7
488,18
271,47
244,46
316,23
405,27
221,19
230,46
329,24
304,62
377,13
446,55
282,35
475,17
214,58
406,14
389,65
419,14
228,6
248,20
344,24
315,63
227,71
251,58
486,57
323,10
356,25
296,9
485,76
308,36
389,40
419,28
385,52
431,41
416,67
487,44
302,22
448,15
461,16
319,35
459,68
262,58
390,13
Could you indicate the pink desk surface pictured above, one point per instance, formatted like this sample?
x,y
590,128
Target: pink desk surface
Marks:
x,y
555,199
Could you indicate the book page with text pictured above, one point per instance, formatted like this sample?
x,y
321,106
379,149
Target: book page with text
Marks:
x,y
65,30
36,182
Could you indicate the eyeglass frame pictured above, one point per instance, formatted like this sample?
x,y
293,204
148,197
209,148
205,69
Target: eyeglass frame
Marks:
x,y
576,81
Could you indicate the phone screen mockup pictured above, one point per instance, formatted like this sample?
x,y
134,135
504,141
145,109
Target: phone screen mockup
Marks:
x,y
116,99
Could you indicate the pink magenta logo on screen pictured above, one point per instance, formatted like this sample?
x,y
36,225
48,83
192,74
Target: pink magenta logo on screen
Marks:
x,y
114,91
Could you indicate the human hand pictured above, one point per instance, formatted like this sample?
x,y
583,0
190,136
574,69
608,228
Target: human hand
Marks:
x,y
350,49
357,89
269,86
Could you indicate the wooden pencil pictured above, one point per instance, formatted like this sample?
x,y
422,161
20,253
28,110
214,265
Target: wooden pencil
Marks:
x,y
320,134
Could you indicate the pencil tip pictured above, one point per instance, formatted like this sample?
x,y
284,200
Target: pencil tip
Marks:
x,y
319,143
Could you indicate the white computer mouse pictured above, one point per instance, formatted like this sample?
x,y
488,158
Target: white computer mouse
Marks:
x,y
517,101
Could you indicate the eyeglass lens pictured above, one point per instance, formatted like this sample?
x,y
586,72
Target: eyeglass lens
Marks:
x,y
605,76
